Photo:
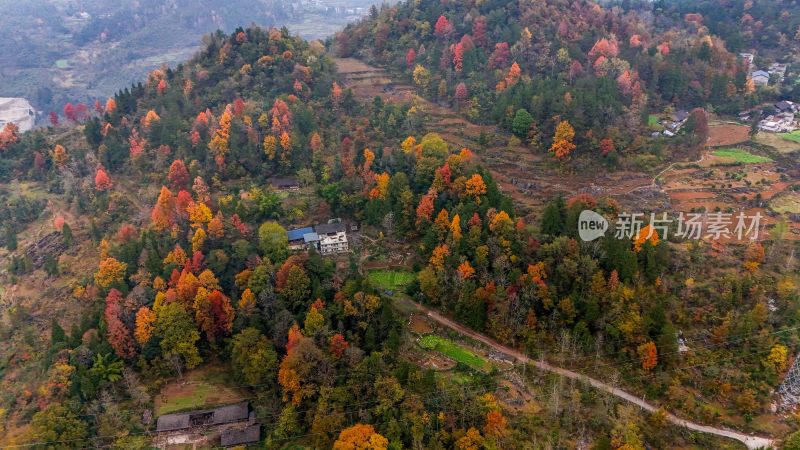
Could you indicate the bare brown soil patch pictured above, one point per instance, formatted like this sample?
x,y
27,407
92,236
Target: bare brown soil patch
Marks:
x,y
437,362
727,134
692,195
420,325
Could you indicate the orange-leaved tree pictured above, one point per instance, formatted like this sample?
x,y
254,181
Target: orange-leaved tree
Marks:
x,y
119,336
60,156
9,136
646,234
338,345
465,270
144,325
163,214
360,437
475,187
219,142
109,272
648,355
562,140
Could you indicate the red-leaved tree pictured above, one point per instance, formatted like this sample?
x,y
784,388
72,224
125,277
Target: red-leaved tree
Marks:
x,y
119,335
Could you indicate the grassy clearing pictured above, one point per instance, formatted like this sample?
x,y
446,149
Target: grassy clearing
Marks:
x,y
794,136
653,122
786,204
390,279
192,398
206,386
452,350
461,378
740,155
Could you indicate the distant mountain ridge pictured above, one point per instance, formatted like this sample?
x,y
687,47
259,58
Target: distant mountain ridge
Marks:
x,y
81,51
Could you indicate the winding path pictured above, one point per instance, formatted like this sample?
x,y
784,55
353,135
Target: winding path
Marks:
x,y
752,442
654,183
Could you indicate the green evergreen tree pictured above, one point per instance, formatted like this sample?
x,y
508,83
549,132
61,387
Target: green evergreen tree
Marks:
x,y
66,233
57,333
792,442
94,230
11,238
521,124
553,217
50,265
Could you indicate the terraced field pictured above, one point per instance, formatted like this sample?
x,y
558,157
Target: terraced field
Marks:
x,y
726,179
527,177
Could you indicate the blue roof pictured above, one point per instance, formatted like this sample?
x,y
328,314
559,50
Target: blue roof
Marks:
x,y
310,237
296,235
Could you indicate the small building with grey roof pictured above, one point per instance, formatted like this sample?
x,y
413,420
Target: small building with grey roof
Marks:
x,y
240,436
330,229
238,412
285,183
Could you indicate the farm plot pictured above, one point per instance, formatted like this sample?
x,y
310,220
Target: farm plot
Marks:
x,y
390,279
740,155
454,351
794,136
788,203
722,134
780,143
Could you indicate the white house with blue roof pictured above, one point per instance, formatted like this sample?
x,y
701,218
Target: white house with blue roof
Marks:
x,y
326,238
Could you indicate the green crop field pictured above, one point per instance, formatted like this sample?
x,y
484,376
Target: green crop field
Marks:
x,y
652,120
390,279
740,155
794,136
452,350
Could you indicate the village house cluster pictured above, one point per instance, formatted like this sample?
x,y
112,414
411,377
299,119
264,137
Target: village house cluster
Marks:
x,y
777,118
672,124
781,118
775,73
329,238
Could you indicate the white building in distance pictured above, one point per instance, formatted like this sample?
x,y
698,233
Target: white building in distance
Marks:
x,y
18,111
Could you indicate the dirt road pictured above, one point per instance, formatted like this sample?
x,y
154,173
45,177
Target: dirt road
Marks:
x,y
752,442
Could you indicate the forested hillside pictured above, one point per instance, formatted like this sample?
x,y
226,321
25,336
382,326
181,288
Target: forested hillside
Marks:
x,y
165,188
147,268
530,66
770,27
